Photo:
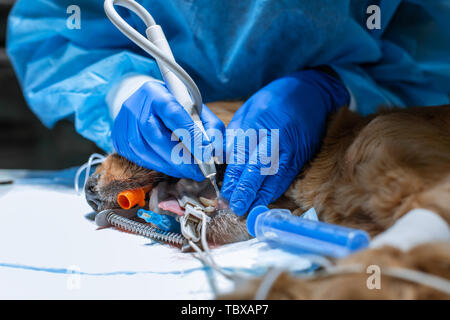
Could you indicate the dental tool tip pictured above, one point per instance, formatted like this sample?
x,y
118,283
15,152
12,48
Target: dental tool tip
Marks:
x,y
212,178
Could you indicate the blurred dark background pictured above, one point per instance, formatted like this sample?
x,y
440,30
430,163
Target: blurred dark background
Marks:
x,y
25,143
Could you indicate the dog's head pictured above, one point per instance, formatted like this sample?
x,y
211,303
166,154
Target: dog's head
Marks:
x,y
117,174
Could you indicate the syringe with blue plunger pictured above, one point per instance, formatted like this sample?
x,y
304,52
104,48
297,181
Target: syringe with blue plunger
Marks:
x,y
280,228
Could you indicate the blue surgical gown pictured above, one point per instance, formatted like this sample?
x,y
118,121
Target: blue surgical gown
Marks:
x,y
231,49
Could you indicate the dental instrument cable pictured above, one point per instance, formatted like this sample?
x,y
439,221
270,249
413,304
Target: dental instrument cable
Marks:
x,y
177,79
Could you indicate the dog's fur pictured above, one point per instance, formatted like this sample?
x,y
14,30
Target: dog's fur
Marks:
x,y
433,259
369,172
372,170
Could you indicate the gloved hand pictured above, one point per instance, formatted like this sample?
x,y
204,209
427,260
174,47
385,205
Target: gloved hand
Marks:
x,y
143,128
298,106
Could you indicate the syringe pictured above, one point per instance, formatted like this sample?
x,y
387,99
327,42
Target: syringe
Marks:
x,y
279,227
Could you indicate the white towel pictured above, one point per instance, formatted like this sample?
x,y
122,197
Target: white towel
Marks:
x,y
49,249
418,226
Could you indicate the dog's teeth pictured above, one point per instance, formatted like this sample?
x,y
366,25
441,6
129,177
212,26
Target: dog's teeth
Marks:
x,y
154,201
210,209
208,202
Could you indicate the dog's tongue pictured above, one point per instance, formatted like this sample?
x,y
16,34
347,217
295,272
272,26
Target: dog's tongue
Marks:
x,y
172,206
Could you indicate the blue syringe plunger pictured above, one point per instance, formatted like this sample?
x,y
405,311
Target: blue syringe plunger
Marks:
x,y
282,228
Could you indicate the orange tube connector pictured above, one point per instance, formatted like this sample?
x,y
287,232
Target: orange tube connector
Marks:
x,y
129,198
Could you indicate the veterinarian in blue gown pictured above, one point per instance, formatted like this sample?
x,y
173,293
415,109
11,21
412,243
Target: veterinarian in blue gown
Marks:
x,y
297,61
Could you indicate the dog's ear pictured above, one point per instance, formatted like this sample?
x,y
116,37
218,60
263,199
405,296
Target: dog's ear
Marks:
x,y
342,128
113,176
118,170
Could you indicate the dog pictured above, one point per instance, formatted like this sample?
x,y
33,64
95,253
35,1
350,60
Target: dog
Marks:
x,y
430,258
117,174
369,172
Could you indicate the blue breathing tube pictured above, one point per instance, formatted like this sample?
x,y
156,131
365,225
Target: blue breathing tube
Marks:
x,y
280,228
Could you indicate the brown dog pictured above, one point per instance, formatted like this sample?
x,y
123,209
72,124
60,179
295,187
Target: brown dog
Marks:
x,y
369,172
372,170
433,259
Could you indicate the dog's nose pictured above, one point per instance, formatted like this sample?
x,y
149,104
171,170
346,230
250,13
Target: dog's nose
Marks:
x,y
91,195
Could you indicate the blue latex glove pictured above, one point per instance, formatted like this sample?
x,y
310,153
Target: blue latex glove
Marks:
x,y
298,106
143,128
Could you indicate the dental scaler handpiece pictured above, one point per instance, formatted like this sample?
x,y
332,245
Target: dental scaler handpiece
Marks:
x,y
180,92
179,83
